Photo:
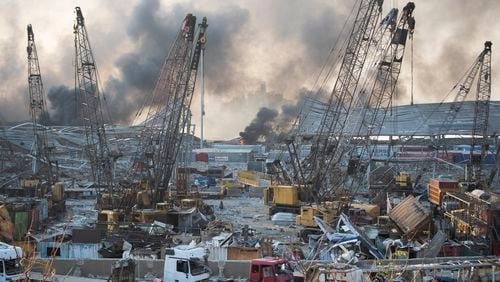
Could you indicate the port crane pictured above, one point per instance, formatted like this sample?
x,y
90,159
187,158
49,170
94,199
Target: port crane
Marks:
x,y
360,112
168,113
38,110
481,116
312,172
372,102
479,72
88,97
374,108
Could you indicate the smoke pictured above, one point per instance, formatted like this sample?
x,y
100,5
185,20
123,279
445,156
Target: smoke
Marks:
x,y
281,44
273,126
261,126
153,32
63,106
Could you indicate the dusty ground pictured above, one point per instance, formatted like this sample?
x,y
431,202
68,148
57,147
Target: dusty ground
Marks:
x,y
244,210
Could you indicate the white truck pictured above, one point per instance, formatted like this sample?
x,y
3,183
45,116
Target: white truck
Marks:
x,y
185,263
10,267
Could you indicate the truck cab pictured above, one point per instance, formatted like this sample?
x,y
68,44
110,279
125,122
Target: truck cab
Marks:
x,y
270,270
10,266
185,264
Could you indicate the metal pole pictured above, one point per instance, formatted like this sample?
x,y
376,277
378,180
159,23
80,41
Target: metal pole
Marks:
x,y
202,99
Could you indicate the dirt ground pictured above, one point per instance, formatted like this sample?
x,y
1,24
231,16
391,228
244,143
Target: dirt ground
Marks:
x,y
249,211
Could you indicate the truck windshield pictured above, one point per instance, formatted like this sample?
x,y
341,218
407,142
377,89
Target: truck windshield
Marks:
x,y
196,267
12,267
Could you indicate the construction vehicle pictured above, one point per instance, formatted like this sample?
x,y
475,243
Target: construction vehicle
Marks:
x,y
11,269
282,198
270,269
185,263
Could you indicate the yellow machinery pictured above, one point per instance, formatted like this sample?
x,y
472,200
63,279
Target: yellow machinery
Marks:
x,y
109,219
282,198
329,210
403,180
192,203
148,215
307,214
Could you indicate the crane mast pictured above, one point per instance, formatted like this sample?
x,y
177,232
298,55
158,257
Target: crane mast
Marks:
x,y
89,101
343,94
388,69
168,113
38,108
481,111
374,105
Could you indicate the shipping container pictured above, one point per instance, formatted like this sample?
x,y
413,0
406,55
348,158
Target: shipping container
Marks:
x,y
438,187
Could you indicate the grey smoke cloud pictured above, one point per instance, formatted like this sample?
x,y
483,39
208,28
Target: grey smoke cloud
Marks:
x,y
63,106
280,44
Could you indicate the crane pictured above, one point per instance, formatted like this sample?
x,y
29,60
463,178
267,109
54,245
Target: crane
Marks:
x,y
328,147
381,93
481,112
339,126
480,71
38,108
169,110
374,104
89,100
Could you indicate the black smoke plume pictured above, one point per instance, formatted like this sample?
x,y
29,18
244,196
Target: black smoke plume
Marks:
x,y
260,127
63,106
273,126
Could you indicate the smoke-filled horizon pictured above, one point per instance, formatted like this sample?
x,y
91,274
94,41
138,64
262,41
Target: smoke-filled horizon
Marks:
x,y
259,54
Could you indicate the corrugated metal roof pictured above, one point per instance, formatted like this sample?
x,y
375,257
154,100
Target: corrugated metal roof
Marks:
x,y
410,215
418,120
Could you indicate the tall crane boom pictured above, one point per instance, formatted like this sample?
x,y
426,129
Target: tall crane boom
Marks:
x,y
169,112
382,91
89,98
343,94
38,107
482,108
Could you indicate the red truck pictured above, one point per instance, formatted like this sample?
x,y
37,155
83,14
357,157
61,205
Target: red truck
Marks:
x,y
270,269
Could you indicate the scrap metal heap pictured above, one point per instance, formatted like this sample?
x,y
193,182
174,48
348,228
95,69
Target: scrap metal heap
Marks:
x,y
88,95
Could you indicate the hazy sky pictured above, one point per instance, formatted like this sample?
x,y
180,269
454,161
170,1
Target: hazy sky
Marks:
x,y
259,52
